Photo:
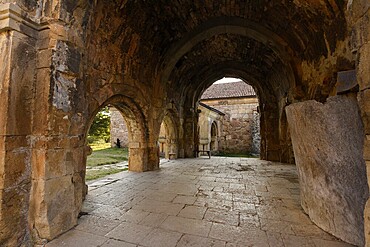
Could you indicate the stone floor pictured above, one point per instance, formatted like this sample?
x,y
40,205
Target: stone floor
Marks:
x,y
198,202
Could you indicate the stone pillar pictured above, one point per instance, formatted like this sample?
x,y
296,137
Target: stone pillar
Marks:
x,y
190,136
143,157
17,72
138,157
327,142
58,154
153,156
270,141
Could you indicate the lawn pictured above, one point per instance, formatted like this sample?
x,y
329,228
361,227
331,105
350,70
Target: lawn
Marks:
x,y
103,154
95,174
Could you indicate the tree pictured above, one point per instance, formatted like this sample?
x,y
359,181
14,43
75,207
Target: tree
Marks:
x,y
100,128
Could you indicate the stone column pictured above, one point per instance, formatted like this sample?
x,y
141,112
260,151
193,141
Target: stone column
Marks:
x,y
190,135
144,148
58,153
270,141
17,73
138,157
153,156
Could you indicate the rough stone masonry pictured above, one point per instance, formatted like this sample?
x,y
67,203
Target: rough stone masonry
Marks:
x,y
61,61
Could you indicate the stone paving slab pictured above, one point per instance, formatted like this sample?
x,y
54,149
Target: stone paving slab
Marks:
x,y
198,202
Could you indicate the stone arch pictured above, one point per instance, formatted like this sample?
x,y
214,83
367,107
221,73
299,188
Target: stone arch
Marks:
x,y
136,125
275,142
319,28
66,180
171,136
232,25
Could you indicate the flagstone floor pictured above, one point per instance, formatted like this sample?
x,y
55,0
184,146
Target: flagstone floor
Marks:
x,y
198,202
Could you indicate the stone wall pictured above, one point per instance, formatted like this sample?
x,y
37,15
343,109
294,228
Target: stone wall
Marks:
x,y
359,19
118,128
64,60
238,130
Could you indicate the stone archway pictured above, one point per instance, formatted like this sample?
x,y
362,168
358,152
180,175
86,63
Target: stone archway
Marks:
x,y
136,126
169,137
62,60
52,218
275,144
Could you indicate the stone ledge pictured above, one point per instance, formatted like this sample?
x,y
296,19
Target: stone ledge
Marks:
x,y
12,18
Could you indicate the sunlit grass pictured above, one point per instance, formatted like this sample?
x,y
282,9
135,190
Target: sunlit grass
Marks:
x,y
104,154
99,145
96,174
107,156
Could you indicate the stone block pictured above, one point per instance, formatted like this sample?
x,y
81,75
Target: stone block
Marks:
x,y
357,8
360,33
56,210
52,163
44,58
328,142
59,123
363,72
12,143
364,103
15,168
368,171
367,222
367,149
5,42
13,215
20,85
137,161
41,109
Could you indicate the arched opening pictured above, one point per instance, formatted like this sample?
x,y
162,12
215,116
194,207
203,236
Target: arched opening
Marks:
x,y
79,54
168,138
128,115
163,141
230,108
108,140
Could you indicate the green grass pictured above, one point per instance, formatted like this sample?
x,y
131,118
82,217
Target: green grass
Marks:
x,y
106,156
95,174
103,154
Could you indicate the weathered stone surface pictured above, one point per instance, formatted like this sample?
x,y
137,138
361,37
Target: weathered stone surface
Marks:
x,y
17,58
327,141
64,60
360,43
60,207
